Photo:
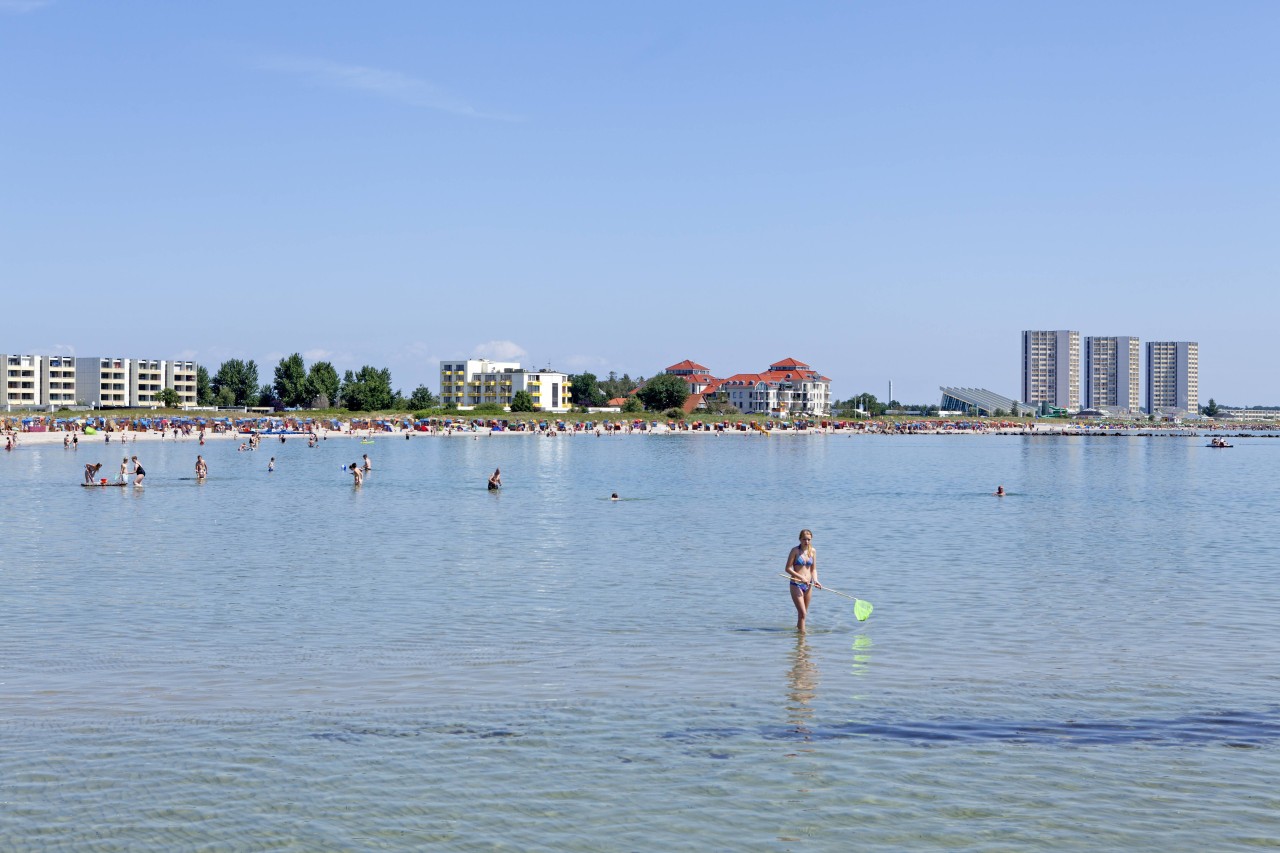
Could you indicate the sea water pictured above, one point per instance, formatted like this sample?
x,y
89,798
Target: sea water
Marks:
x,y
284,661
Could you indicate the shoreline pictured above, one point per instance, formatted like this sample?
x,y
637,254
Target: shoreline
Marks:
x,y
1041,431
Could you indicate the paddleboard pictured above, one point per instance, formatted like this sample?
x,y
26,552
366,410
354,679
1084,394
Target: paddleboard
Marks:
x,y
102,485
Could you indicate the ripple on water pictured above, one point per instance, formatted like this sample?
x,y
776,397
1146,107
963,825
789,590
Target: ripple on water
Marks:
x,y
418,664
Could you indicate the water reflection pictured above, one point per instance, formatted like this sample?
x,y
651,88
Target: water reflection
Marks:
x,y
861,654
802,688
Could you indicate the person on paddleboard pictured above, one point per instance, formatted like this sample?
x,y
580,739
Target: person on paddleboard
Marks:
x,y
802,570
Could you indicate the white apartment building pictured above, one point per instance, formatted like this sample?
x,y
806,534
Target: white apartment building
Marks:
x,y
788,387
103,382
474,381
146,380
1173,377
181,377
1111,372
21,388
58,381
1051,368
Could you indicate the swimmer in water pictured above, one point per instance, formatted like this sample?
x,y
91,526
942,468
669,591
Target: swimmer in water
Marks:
x,y
999,491
495,482
614,497
357,475
802,569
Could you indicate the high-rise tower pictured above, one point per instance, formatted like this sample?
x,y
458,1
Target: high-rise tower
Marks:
x,y
1111,373
1051,369
1173,377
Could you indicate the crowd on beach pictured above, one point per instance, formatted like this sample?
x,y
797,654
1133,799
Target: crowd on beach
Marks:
x,y
72,432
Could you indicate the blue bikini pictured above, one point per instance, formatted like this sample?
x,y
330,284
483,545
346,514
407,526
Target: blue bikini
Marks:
x,y
801,560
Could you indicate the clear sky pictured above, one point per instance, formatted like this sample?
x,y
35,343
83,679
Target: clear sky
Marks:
x,y
885,190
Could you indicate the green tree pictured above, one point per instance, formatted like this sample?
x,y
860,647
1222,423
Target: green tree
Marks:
x,y
584,390
617,386
422,398
367,390
718,404
169,398
241,377
1213,409
224,397
267,398
322,385
291,381
204,390
663,391
865,402
632,405
522,402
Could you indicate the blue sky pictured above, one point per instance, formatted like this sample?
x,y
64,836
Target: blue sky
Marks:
x,y
889,190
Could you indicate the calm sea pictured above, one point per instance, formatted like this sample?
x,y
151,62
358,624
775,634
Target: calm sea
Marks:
x,y
280,661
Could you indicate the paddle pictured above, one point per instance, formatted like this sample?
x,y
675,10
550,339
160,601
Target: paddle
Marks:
x,y
861,607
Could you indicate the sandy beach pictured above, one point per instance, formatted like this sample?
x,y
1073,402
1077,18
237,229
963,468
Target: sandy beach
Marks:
x,y
581,429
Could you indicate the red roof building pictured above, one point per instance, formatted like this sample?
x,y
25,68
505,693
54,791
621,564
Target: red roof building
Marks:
x,y
687,367
788,387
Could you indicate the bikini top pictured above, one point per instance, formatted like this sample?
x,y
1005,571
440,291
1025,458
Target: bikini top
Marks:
x,y
803,559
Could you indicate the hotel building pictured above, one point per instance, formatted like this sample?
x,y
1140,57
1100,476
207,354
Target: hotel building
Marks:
x,y
1111,372
474,381
21,378
1051,368
1173,377
788,387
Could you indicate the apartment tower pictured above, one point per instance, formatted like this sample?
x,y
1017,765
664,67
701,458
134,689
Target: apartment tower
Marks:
x,y
1173,377
1111,373
1051,369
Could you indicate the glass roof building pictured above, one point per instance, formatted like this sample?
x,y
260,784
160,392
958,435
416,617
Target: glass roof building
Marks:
x,y
980,401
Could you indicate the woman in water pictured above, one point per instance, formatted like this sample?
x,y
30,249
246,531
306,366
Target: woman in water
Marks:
x,y
495,482
802,569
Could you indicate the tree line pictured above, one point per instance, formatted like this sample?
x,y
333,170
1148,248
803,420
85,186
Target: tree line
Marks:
x,y
294,385
661,393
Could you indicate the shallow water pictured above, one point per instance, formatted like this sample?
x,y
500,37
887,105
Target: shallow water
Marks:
x,y
282,661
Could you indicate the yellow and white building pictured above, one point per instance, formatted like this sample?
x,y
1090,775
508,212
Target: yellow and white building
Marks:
x,y
474,381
